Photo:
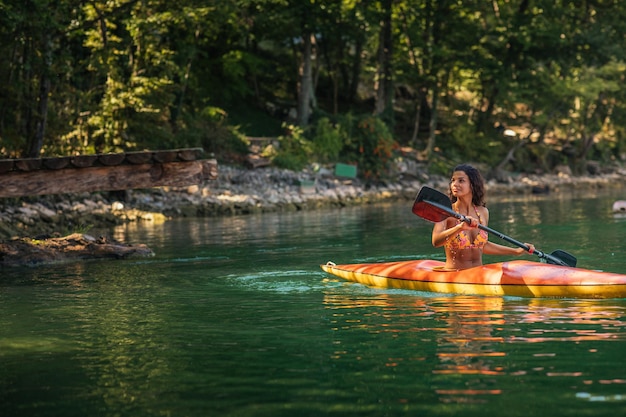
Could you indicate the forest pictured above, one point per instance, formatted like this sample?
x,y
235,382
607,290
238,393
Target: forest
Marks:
x,y
515,85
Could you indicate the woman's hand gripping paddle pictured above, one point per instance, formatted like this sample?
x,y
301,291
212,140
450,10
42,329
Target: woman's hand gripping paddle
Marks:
x,y
435,206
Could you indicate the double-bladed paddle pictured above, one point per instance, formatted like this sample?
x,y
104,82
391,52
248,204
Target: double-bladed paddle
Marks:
x,y
435,206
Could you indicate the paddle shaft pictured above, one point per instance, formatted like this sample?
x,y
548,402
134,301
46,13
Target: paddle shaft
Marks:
x,y
461,217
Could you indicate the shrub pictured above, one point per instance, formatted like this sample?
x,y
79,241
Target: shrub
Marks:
x,y
294,149
212,131
370,145
365,141
328,140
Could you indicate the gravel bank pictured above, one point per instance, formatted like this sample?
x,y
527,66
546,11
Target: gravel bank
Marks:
x,y
240,191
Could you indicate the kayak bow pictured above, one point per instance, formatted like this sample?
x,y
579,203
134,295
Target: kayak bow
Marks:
x,y
514,278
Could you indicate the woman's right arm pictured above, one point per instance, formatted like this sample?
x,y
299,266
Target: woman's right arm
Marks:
x,y
441,232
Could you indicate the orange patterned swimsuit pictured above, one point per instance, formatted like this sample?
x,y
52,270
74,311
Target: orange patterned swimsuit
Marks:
x,y
462,239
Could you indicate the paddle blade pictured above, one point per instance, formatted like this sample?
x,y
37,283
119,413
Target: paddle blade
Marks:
x,y
432,205
429,212
435,196
567,258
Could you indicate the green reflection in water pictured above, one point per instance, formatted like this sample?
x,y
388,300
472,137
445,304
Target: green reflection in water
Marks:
x,y
233,317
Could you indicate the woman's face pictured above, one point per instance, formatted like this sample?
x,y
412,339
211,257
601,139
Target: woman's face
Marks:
x,y
460,184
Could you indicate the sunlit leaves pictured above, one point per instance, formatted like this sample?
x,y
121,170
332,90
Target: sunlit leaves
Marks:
x,y
128,73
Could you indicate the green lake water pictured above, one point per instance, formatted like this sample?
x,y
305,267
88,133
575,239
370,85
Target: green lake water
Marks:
x,y
234,317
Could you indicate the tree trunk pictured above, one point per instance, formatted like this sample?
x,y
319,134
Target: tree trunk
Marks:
x,y
418,116
384,90
488,105
41,115
335,81
178,108
432,134
355,72
306,82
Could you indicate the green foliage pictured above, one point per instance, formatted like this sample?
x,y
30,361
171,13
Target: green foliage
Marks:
x,y
81,228
104,76
370,145
328,140
365,141
294,150
441,165
213,132
466,144
253,121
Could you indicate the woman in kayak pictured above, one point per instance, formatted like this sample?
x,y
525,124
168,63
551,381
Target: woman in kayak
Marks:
x,y
465,243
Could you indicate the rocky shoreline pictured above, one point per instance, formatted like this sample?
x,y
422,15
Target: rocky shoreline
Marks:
x,y
241,191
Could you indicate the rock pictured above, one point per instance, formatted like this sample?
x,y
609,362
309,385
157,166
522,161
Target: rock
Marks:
x,y
619,206
28,252
563,171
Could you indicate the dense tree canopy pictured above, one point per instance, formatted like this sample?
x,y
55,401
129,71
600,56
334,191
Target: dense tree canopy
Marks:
x,y
515,84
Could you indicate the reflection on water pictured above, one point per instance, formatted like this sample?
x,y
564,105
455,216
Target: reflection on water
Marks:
x,y
233,317
482,343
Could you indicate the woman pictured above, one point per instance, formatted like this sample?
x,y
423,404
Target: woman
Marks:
x,y
465,243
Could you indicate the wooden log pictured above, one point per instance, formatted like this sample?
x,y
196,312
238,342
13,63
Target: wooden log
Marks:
x,y
102,178
28,164
6,165
190,154
165,156
139,157
111,159
56,163
84,161
210,171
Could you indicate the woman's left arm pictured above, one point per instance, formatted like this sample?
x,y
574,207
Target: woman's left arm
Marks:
x,y
496,249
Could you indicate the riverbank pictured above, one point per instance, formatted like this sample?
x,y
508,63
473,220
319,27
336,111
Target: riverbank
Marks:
x,y
241,191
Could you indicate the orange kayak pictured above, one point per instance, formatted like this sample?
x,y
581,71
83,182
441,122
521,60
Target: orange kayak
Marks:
x,y
514,278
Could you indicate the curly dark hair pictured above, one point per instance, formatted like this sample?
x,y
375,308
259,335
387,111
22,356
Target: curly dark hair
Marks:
x,y
476,183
